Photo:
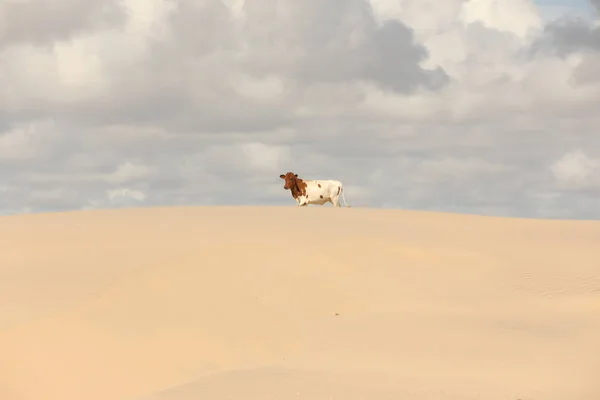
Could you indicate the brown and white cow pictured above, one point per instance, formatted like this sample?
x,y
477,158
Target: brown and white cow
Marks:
x,y
319,192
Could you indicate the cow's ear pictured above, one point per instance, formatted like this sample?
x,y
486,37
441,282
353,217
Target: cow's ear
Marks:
x,y
282,176
296,175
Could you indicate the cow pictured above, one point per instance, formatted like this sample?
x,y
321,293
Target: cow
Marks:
x,y
319,192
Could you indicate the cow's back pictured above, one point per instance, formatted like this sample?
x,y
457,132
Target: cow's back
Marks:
x,y
325,187
333,186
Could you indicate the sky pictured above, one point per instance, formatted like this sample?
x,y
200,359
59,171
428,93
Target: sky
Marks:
x,y
551,10
485,107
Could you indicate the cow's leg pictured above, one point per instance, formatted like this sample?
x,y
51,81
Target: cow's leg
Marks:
x,y
335,200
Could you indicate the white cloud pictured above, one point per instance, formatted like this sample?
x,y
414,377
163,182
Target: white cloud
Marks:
x,y
576,170
519,17
266,158
124,195
258,88
128,172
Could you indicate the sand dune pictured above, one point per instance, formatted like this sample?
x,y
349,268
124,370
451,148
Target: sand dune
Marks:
x,y
286,303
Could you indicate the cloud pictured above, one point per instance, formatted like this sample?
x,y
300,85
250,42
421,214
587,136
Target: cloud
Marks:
x,y
117,195
128,172
28,142
570,35
518,17
451,106
576,170
340,34
579,40
40,23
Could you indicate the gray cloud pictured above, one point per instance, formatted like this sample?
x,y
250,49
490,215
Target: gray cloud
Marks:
x,y
191,78
568,36
573,34
335,41
207,102
41,22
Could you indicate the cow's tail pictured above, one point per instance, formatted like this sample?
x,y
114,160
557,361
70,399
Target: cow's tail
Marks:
x,y
344,198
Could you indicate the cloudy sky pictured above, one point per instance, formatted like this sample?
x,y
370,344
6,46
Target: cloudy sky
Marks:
x,y
474,106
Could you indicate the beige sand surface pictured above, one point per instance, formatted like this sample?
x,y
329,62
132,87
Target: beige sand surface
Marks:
x,y
284,303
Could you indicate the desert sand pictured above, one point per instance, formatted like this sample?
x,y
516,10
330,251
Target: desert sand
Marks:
x,y
284,303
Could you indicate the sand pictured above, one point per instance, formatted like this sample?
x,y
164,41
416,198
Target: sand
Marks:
x,y
290,303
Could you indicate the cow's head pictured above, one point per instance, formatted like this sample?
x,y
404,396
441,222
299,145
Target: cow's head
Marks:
x,y
290,180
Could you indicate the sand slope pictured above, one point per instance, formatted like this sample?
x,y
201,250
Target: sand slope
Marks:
x,y
281,302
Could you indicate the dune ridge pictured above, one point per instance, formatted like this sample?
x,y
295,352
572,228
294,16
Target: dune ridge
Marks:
x,y
178,303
